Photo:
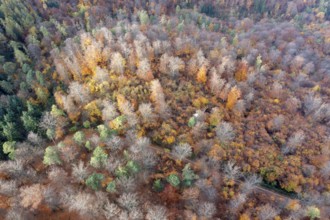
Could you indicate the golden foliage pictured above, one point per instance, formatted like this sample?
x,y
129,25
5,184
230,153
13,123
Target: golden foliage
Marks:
x,y
241,72
122,103
244,217
170,139
59,133
106,181
215,117
42,93
200,102
216,153
201,75
293,205
233,96
93,111
97,88
58,98
74,116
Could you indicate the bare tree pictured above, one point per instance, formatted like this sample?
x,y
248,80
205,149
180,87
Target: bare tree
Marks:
x,y
101,75
325,170
157,213
35,139
294,141
51,197
129,200
136,214
8,187
109,111
231,171
17,213
79,92
237,202
48,121
79,172
147,112
182,151
83,203
311,103
267,212
31,196
158,96
215,82
225,132
144,70
117,63
206,209
250,183
171,65
114,143
111,210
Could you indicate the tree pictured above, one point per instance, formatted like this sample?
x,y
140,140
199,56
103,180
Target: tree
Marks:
x,y
104,132
231,171
121,171
79,137
233,96
42,94
147,112
311,104
99,157
111,187
157,212
206,209
171,65
237,202
215,82
48,121
9,148
79,92
31,196
225,132
158,185
101,75
79,171
83,203
109,111
144,70
313,212
129,200
182,151
133,167
143,16
51,156
8,187
173,179
31,117
10,129
35,139
201,75
20,56
188,175
111,210
267,212
325,170
94,181
250,183
294,141
117,63
158,97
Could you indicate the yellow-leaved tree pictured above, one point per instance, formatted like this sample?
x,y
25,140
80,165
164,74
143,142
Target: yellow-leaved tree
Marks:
x,y
233,96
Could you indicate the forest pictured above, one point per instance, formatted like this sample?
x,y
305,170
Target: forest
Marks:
x,y
165,109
